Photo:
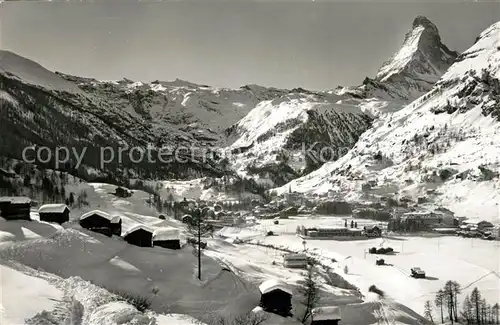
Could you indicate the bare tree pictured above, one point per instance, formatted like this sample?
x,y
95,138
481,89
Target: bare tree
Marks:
x,y
310,291
475,298
455,288
439,301
448,298
451,290
495,310
428,310
467,310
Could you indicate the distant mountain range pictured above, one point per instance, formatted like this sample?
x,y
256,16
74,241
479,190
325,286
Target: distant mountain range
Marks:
x,y
401,112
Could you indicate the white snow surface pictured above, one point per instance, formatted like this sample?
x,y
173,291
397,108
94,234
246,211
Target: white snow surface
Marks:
x,y
138,227
166,233
23,296
403,56
105,215
33,73
325,313
271,285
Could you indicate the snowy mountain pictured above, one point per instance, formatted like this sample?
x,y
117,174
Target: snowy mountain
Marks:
x,y
282,138
415,68
55,109
442,148
253,123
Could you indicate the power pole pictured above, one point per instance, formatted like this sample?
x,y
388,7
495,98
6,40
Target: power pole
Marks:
x,y
199,247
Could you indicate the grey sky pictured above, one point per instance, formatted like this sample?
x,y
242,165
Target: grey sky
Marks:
x,y
314,45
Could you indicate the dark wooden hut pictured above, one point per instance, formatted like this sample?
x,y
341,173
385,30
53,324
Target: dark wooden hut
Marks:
x,y
276,298
101,222
167,237
15,208
139,235
58,213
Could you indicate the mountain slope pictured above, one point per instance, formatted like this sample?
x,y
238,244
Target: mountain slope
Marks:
x,y
444,146
414,69
282,138
43,108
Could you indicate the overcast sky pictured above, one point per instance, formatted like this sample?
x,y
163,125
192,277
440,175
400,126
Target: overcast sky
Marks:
x,y
314,45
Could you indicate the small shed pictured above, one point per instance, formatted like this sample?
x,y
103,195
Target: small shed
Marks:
x,y
325,315
372,231
139,235
276,297
101,222
54,213
295,260
167,237
15,208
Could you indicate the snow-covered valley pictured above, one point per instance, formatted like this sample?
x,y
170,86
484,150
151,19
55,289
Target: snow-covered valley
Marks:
x,y
419,138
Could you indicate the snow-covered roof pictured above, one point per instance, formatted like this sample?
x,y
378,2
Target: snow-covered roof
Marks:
x,y
326,313
271,285
105,215
53,208
166,233
293,256
16,199
138,227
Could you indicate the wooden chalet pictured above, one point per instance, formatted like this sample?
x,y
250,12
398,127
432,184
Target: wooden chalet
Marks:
x,y
167,237
295,260
58,213
139,235
15,208
101,222
276,297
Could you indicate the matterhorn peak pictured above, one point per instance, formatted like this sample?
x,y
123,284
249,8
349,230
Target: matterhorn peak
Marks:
x,y
423,56
423,22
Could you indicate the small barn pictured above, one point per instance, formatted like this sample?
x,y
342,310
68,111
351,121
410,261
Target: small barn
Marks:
x,y
325,316
295,260
276,297
167,237
101,222
15,208
372,231
54,213
139,235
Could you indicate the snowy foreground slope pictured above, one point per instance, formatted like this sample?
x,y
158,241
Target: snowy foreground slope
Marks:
x,y
444,146
36,297
85,268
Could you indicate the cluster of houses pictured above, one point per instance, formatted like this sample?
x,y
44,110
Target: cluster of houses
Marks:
x,y
213,213
276,297
332,232
138,235
18,208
